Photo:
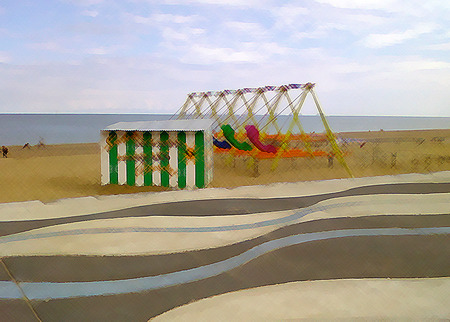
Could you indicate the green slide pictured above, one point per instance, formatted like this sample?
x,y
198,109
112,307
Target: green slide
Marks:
x,y
229,134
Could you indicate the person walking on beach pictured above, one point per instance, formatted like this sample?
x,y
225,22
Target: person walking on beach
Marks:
x,y
4,151
41,143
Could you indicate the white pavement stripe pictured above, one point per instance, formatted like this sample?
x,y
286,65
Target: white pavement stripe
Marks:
x,y
374,299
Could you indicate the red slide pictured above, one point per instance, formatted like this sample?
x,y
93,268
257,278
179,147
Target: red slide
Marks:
x,y
253,136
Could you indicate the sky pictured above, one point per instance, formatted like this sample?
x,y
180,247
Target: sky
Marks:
x,y
366,57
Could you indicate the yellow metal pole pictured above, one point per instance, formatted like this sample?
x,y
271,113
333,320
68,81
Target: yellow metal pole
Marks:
x,y
331,138
295,117
184,108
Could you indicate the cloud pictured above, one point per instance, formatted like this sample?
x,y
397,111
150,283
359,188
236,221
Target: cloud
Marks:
x,y
324,23
251,29
185,34
161,19
90,13
97,51
172,28
234,3
414,8
440,47
421,65
48,46
201,54
253,52
4,57
394,38
358,4
85,3
289,16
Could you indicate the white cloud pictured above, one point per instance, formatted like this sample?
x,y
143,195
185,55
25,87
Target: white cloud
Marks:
x,y
389,39
442,46
185,34
86,3
4,57
414,8
253,52
201,54
356,22
90,13
48,46
289,16
97,51
160,18
236,3
248,28
420,65
317,22
358,4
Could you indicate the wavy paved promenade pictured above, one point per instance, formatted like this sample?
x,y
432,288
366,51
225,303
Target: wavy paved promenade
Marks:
x,y
140,258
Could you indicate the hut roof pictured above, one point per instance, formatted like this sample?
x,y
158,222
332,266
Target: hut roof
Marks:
x,y
169,125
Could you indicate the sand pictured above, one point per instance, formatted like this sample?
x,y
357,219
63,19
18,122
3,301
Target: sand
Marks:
x,y
73,170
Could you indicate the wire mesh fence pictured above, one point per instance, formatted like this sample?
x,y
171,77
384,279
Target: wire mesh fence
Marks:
x,y
53,172
366,154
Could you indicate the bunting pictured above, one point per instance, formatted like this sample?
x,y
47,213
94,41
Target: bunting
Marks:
x,y
247,90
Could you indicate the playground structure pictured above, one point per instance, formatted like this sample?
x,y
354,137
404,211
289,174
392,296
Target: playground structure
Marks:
x,y
246,124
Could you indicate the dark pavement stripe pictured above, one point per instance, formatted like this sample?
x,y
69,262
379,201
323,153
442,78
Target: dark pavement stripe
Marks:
x,y
94,268
3,273
355,257
227,206
15,310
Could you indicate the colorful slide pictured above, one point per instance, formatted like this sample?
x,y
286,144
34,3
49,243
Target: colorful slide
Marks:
x,y
221,144
229,134
253,136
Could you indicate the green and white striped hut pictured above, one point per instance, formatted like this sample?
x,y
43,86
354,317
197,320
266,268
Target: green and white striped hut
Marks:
x,y
175,153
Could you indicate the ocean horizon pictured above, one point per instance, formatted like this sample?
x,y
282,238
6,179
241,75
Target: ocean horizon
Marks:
x,y
18,129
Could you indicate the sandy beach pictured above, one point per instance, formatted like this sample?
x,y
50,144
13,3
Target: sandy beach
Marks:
x,y
73,170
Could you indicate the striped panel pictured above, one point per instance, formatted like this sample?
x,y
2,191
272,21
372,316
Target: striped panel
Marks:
x,y
148,159
173,159
156,174
131,163
121,155
199,159
104,157
113,164
164,157
181,160
190,165
209,162
139,169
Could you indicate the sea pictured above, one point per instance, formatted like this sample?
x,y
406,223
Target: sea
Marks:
x,y
18,129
